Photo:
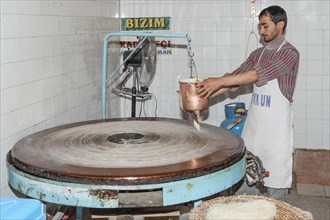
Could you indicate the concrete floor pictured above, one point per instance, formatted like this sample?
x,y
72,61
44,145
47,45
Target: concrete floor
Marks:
x,y
312,198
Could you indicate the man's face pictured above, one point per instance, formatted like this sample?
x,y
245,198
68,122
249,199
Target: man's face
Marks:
x,y
268,30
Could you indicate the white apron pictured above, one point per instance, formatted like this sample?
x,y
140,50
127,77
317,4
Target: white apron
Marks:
x,y
268,132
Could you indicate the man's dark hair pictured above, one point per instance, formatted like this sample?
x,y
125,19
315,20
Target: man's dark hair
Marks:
x,y
276,14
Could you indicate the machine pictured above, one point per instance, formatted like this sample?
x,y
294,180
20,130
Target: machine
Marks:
x,y
141,65
127,162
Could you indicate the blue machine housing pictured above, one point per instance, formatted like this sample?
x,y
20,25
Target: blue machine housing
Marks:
x,y
235,114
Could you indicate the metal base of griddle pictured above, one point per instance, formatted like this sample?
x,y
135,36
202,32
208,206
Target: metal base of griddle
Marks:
x,y
94,164
121,196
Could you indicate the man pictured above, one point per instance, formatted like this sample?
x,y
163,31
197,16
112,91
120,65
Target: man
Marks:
x,y
273,69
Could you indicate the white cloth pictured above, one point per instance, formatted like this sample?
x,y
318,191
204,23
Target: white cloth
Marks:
x,y
268,133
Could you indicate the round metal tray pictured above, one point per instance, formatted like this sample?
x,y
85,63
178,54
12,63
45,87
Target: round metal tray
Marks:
x,y
127,151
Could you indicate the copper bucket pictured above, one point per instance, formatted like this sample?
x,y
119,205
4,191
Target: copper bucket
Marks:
x,y
189,100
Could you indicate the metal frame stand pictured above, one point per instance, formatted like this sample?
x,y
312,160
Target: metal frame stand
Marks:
x,y
105,80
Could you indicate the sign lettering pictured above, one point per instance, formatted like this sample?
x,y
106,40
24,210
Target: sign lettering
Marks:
x,y
152,23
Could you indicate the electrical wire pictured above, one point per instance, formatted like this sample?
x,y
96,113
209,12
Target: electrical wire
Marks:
x,y
142,106
156,107
143,100
144,109
248,40
142,103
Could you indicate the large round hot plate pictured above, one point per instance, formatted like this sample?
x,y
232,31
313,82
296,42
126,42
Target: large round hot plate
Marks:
x,y
127,151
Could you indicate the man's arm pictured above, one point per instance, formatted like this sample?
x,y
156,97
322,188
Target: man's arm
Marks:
x,y
215,86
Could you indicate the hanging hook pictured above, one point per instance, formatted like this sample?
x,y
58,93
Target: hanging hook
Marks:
x,y
191,63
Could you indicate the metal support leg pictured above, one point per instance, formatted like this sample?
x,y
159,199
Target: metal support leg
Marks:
x,y
79,213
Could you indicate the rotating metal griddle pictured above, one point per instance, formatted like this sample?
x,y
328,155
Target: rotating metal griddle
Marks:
x,y
94,163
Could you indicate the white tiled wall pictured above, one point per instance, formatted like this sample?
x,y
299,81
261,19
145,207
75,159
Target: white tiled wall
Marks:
x,y
51,65
220,40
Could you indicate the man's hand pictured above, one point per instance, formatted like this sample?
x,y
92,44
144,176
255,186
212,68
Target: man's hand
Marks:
x,y
209,86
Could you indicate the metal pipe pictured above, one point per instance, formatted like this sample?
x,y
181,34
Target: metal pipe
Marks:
x,y
105,57
133,105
